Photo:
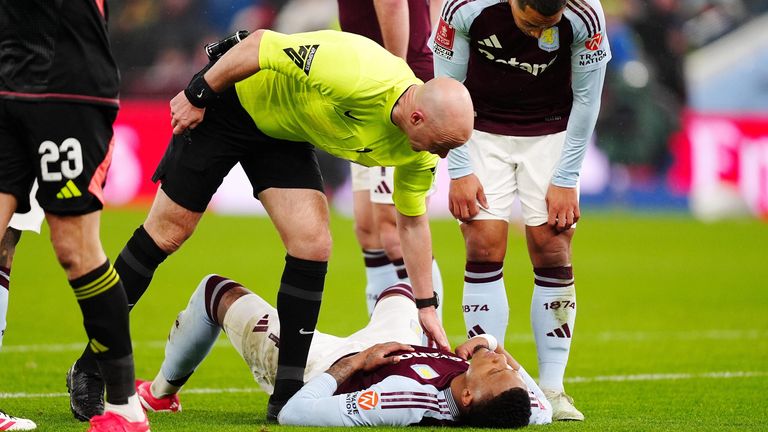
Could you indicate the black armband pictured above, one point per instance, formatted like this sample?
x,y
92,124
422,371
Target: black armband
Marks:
x,y
199,92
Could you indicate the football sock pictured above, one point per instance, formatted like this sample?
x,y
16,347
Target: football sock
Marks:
x,y
399,264
131,411
437,286
102,300
136,264
380,274
194,332
437,281
5,285
553,314
298,305
485,300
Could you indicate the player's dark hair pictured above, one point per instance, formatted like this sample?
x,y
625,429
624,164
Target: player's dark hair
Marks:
x,y
509,410
544,7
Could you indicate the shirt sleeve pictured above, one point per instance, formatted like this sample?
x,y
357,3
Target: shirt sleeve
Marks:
x,y
313,59
587,87
316,405
412,184
450,49
590,48
541,409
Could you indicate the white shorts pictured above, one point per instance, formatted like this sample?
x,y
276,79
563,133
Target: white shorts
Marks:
x,y
380,181
515,167
31,220
254,330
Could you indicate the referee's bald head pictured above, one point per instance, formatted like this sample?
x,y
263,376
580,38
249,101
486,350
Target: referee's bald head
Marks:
x,y
440,115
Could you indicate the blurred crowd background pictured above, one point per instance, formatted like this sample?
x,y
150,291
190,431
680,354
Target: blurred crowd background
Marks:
x,y
670,57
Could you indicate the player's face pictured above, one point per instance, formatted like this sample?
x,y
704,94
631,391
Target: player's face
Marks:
x,y
488,375
531,22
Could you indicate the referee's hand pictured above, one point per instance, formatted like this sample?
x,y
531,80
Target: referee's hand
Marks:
x,y
184,115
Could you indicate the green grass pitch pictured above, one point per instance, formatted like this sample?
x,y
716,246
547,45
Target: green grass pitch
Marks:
x,y
672,331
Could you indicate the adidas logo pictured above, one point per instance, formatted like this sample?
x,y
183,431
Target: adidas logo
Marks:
x,y
474,331
564,331
382,188
262,325
492,42
303,57
69,191
97,347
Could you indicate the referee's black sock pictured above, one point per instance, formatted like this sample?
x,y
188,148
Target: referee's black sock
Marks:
x,y
102,301
298,305
136,265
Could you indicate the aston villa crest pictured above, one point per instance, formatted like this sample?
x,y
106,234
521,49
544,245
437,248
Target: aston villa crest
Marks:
x,y
550,39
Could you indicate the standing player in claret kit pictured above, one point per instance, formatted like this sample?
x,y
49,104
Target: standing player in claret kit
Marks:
x,y
535,70
403,28
58,99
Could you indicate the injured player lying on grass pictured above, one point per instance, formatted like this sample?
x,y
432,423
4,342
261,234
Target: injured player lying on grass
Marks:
x,y
378,376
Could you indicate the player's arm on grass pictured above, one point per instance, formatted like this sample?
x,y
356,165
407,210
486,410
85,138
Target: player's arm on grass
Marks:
x,y
316,405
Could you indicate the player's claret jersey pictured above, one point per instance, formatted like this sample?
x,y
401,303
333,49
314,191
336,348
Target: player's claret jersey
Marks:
x,y
520,85
359,16
337,91
57,50
416,390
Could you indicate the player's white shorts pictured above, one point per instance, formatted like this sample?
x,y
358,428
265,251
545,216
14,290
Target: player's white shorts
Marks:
x,y
379,181
514,167
253,328
31,220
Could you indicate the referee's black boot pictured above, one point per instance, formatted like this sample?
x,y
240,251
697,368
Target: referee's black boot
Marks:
x,y
86,392
273,409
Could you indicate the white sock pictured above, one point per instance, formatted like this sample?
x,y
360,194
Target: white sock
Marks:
x,y
161,388
553,314
192,334
380,274
437,286
485,300
132,411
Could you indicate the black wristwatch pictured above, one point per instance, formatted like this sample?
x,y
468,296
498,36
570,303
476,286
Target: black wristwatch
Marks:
x,y
432,301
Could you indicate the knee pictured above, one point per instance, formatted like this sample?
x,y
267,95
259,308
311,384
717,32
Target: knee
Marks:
x,y
315,246
553,253
169,235
483,249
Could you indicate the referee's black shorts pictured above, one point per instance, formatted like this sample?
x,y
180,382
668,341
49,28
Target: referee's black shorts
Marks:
x,y
196,162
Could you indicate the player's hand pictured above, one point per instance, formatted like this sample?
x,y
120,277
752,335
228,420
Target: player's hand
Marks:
x,y
433,329
469,347
464,195
379,355
184,115
562,207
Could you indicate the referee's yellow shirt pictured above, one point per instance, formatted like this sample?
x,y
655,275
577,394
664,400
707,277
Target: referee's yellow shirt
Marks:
x,y
336,91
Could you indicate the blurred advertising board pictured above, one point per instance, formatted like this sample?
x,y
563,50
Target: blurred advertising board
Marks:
x,y
721,161
142,133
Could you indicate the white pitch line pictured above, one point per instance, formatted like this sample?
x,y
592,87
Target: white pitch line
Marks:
x,y
578,380
639,336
